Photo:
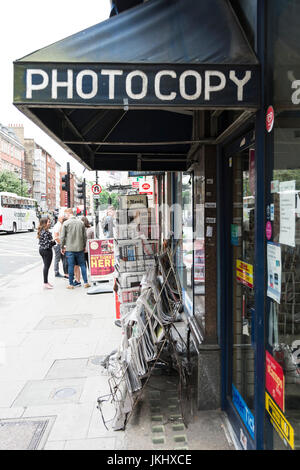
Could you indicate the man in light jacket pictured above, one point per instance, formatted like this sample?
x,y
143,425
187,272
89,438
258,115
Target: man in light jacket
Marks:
x,y
73,241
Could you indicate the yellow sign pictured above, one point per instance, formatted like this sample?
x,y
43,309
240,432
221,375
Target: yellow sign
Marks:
x,y
244,273
279,421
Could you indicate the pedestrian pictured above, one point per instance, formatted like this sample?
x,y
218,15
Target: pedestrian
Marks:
x,y
73,241
46,243
108,222
58,256
89,235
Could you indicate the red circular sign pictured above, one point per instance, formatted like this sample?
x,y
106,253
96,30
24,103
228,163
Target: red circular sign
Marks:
x,y
270,118
146,186
268,230
96,188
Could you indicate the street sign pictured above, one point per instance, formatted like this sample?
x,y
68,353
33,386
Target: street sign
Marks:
x,y
146,187
96,188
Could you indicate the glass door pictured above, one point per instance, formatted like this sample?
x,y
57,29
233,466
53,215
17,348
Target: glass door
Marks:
x,y
242,376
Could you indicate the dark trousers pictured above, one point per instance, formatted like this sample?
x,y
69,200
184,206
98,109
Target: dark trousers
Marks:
x,y
47,259
86,255
65,264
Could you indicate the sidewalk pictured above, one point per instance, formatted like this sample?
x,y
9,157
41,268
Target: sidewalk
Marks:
x,y
51,345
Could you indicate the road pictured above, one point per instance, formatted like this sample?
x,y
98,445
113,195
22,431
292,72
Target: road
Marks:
x,y
18,253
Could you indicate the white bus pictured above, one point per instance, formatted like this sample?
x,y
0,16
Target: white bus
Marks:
x,y
17,213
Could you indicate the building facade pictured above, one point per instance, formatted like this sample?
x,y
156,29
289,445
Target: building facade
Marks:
x,y
12,152
39,177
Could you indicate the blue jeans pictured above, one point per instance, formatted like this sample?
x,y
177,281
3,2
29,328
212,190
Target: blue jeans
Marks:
x,y
76,258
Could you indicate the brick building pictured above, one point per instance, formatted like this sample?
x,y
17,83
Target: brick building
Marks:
x,y
11,152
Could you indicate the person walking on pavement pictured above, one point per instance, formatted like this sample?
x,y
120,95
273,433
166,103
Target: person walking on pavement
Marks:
x,y
73,241
89,235
108,222
57,248
46,243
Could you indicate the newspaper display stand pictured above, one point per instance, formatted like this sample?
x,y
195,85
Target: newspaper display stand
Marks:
x,y
134,252
150,300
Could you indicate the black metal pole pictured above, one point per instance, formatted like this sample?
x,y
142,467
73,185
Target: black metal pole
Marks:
x,y
97,213
84,198
68,185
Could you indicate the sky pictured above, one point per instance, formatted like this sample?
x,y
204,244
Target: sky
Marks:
x,y
29,25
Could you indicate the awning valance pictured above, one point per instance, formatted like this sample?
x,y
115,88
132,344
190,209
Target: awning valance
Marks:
x,y
163,56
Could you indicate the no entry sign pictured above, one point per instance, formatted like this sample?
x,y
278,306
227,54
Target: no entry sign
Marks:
x,y
96,188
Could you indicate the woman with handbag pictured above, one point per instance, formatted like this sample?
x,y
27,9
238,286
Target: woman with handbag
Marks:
x,y
46,243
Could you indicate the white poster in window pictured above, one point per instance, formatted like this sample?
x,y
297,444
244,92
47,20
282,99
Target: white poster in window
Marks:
x,y
274,271
287,212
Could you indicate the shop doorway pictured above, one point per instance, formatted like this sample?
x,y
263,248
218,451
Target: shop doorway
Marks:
x,y
240,340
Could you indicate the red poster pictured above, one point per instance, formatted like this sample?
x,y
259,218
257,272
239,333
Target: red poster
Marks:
x,y
275,380
101,258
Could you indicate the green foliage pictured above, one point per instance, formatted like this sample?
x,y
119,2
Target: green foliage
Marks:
x,y
287,175
10,182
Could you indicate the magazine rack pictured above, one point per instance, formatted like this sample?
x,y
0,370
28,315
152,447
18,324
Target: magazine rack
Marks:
x,y
147,331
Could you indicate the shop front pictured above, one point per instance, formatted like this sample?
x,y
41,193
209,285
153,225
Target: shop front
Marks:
x,y
194,109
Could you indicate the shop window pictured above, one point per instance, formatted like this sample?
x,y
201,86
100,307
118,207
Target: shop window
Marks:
x,y
184,235
283,282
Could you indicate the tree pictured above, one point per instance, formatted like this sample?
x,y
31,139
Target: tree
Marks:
x,y
10,182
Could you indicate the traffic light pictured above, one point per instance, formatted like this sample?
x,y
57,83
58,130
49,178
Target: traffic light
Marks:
x,y
81,190
65,182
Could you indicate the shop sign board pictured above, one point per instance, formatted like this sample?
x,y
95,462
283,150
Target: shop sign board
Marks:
x,y
244,273
101,258
147,84
275,380
279,421
243,411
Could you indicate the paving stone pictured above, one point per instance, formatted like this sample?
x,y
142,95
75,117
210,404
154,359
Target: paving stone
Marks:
x,y
158,440
180,438
158,429
157,418
76,367
67,321
50,392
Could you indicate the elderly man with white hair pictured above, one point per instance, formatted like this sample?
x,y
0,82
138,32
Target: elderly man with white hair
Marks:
x,y
73,241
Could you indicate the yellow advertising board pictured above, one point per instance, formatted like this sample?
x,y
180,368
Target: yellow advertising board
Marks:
x,y
280,422
244,273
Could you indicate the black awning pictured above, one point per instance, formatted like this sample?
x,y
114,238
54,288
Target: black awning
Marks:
x,y
164,56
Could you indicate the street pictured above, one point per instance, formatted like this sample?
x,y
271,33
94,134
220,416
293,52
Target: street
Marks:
x,y
18,253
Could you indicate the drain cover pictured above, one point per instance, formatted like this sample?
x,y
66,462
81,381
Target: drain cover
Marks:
x,y
64,393
97,360
24,433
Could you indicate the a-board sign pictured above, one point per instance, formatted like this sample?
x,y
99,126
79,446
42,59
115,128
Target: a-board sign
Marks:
x,y
101,258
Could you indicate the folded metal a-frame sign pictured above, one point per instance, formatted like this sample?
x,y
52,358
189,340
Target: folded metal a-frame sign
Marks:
x,y
123,91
